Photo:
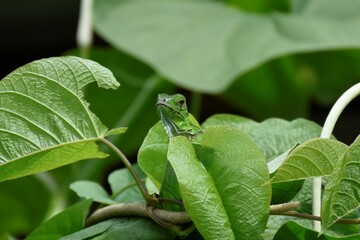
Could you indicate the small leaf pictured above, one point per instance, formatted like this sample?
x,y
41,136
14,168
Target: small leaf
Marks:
x,y
116,131
70,220
123,186
44,115
91,190
342,191
314,158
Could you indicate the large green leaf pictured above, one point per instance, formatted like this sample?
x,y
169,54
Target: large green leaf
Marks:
x,y
314,158
45,122
274,136
133,102
342,191
212,43
230,198
152,154
200,196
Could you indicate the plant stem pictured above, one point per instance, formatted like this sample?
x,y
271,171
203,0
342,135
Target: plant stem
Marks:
x,y
318,218
329,124
84,36
175,217
136,209
131,169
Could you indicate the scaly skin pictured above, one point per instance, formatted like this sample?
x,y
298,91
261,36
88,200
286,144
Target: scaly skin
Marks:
x,y
174,115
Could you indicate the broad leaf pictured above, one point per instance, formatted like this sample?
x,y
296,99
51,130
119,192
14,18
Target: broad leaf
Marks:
x,y
230,197
212,43
342,191
276,137
152,154
91,190
314,158
200,196
46,122
70,220
133,102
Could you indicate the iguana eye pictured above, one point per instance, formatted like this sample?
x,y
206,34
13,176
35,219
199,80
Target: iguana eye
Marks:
x,y
181,103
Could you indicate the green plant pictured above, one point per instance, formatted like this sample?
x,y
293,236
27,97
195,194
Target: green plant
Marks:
x,y
224,181
244,54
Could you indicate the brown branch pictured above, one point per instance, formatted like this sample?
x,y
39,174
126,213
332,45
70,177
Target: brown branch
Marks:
x,y
140,210
284,207
317,218
136,209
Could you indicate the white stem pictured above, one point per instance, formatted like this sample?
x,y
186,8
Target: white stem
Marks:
x,y
84,36
329,124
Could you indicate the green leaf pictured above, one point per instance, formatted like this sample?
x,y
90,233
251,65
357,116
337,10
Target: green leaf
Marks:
x,y
293,230
208,40
342,191
69,221
22,210
200,196
116,131
46,122
91,190
123,186
131,228
170,189
274,136
152,154
314,158
132,103
239,171
230,198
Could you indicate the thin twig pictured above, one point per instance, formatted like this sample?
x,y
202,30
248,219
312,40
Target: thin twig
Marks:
x,y
131,169
317,218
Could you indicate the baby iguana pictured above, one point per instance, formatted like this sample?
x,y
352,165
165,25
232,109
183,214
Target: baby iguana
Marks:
x,y
174,115
177,121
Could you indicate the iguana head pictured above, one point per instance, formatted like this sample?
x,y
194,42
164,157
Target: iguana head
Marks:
x,y
174,114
